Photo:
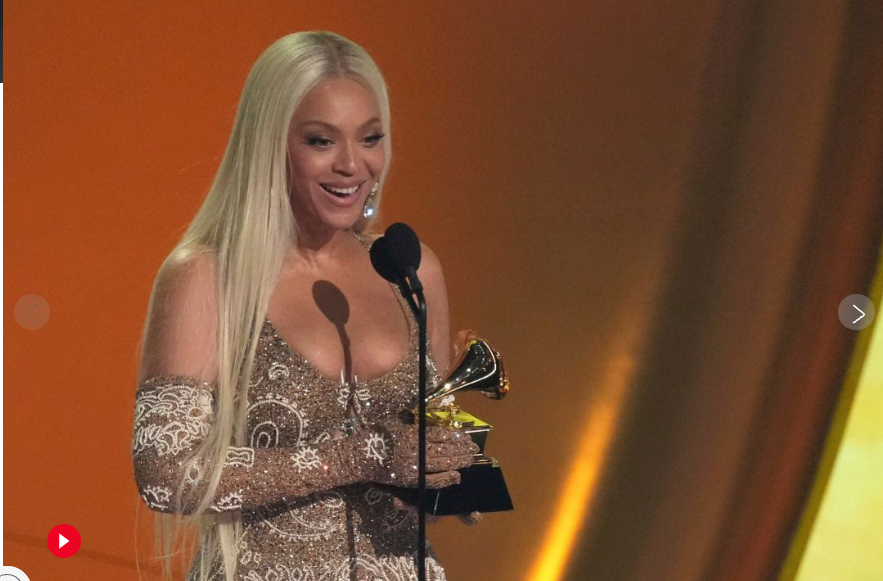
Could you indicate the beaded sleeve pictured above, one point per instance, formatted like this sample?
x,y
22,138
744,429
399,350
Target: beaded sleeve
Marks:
x,y
173,415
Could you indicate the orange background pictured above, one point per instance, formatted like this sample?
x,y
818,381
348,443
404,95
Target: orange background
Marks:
x,y
532,150
542,151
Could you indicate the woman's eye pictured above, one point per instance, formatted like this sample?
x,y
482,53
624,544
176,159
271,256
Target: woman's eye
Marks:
x,y
373,140
318,141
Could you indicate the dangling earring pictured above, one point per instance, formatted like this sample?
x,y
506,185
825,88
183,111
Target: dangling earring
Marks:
x,y
369,209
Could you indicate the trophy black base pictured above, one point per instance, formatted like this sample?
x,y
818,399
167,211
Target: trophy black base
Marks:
x,y
482,488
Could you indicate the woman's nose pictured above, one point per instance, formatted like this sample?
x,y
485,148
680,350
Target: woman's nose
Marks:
x,y
345,161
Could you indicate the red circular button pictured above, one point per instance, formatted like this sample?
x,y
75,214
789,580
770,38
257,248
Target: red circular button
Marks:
x,y
63,541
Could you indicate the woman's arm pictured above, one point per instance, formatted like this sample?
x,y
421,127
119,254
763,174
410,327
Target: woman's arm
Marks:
x,y
439,325
175,412
173,415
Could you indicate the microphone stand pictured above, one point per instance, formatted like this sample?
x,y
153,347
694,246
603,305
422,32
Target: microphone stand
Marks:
x,y
421,464
419,310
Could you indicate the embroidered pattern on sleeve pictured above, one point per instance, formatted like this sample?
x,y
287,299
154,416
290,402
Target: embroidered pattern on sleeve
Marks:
x,y
170,420
306,458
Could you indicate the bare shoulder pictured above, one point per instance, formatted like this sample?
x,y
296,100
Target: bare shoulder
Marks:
x,y
194,272
185,293
430,266
433,280
181,327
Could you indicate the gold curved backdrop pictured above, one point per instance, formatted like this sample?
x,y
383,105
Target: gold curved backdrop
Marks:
x,y
651,209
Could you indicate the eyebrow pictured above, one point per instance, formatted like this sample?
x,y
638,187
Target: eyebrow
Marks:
x,y
330,127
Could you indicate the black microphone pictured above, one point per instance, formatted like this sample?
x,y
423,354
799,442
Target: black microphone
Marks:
x,y
405,244
405,252
383,261
396,257
389,265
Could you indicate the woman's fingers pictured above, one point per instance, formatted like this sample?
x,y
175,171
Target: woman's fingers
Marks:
x,y
441,434
402,505
470,519
442,479
435,434
443,441
451,454
445,463
452,449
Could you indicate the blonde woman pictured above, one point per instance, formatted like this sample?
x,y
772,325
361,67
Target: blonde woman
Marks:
x,y
276,364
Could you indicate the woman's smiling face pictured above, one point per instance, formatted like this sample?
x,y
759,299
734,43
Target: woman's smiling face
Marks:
x,y
335,154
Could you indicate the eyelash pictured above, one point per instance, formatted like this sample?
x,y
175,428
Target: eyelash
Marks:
x,y
321,142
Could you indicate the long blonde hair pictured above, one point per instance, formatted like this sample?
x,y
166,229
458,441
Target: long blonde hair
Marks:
x,y
246,223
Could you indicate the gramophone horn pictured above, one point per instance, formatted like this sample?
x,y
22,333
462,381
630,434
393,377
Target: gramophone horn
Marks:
x,y
478,368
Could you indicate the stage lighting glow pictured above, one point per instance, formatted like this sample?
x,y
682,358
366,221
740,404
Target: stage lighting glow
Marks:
x,y
579,490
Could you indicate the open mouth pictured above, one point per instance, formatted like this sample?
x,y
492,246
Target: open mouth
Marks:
x,y
342,192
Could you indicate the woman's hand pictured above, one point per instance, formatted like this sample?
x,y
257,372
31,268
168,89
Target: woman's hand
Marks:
x,y
392,445
469,520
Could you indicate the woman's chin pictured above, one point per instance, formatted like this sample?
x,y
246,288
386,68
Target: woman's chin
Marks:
x,y
341,220
324,216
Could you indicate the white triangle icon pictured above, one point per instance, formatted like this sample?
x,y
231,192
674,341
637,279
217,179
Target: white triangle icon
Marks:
x,y
62,541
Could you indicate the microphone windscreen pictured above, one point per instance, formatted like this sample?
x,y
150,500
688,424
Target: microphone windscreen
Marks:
x,y
383,261
403,245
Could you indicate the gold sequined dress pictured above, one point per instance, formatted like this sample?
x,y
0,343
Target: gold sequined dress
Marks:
x,y
298,525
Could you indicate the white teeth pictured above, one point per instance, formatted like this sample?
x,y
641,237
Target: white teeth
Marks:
x,y
346,191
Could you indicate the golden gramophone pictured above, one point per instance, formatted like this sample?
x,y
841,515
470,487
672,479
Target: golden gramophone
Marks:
x,y
482,487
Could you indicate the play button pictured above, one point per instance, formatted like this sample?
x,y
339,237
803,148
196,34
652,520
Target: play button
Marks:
x,y
63,541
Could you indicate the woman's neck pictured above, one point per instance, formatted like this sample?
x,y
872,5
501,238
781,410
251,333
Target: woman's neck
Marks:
x,y
316,250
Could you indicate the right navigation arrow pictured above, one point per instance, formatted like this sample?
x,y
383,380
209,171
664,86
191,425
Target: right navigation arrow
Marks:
x,y
860,318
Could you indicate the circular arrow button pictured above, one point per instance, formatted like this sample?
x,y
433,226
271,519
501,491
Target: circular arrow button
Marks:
x,y
856,312
8,573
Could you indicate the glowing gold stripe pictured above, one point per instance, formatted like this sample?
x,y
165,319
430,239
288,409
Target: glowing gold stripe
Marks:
x,y
579,490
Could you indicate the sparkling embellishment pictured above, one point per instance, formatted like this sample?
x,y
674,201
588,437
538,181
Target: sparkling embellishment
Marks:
x,y
375,447
243,457
306,458
231,501
157,497
306,514
185,411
